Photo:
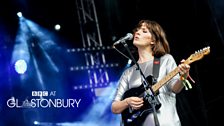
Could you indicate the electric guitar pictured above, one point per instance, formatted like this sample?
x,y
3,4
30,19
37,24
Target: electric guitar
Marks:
x,y
136,117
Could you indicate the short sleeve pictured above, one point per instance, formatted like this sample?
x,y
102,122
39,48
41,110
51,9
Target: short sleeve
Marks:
x,y
171,65
122,86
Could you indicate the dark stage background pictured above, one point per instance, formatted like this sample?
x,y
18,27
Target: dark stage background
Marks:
x,y
190,25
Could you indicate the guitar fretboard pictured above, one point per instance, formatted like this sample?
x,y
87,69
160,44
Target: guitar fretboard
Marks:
x,y
159,84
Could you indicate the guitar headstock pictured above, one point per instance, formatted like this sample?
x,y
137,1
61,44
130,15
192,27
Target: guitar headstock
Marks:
x,y
198,55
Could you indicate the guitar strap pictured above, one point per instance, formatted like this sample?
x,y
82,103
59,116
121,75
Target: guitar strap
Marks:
x,y
156,65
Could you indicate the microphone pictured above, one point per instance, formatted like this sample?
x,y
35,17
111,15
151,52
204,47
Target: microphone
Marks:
x,y
129,36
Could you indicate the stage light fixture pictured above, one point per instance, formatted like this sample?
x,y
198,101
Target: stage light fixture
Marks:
x,y
35,122
19,14
129,61
20,66
57,27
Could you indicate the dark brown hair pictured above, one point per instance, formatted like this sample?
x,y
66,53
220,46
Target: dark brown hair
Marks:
x,y
161,45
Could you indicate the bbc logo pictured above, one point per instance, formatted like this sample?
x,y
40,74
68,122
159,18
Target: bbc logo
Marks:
x,y
39,93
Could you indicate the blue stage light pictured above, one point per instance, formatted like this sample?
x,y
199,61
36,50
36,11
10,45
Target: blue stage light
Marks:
x,y
19,14
20,66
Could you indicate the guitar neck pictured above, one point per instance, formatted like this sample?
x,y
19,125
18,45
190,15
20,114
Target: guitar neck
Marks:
x,y
159,84
163,81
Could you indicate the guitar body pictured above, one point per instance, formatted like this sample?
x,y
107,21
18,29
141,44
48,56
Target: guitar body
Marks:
x,y
137,117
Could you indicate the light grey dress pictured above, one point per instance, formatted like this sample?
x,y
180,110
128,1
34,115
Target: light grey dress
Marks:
x,y
167,114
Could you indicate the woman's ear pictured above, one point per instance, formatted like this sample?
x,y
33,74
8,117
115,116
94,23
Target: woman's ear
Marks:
x,y
152,42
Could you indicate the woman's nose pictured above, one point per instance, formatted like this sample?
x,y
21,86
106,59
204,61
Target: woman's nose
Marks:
x,y
137,33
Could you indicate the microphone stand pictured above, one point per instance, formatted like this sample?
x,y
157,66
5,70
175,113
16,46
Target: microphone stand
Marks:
x,y
150,95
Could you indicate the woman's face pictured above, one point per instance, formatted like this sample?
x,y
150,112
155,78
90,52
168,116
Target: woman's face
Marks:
x,y
142,37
